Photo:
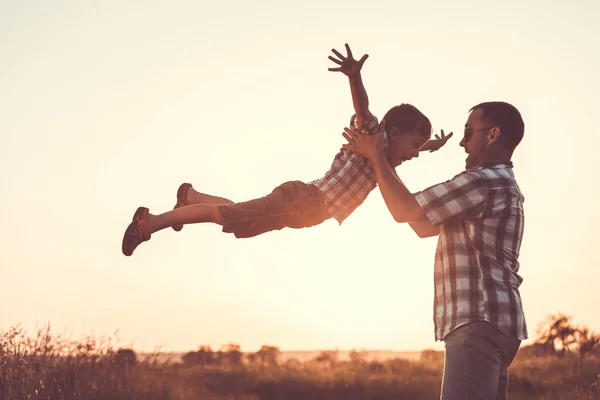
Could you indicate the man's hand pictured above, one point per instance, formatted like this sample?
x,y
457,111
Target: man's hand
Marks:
x,y
368,146
347,65
435,144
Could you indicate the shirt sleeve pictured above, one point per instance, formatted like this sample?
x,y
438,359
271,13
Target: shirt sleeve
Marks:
x,y
369,127
458,197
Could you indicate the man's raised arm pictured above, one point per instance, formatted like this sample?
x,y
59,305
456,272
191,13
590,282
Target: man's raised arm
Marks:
x,y
423,229
399,200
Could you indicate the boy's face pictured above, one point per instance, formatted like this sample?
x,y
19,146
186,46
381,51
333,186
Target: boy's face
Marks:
x,y
403,147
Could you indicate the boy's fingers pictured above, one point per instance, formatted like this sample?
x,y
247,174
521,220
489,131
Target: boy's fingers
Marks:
x,y
347,137
335,60
437,137
334,69
337,53
348,51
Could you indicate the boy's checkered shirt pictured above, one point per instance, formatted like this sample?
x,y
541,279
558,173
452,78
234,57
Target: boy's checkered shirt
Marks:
x,y
476,262
350,178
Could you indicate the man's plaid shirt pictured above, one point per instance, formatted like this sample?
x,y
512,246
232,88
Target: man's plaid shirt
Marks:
x,y
476,262
350,178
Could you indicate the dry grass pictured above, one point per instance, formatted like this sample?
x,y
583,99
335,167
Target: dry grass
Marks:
x,y
50,367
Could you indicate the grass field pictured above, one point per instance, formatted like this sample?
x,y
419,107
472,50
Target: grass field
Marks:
x,y
49,367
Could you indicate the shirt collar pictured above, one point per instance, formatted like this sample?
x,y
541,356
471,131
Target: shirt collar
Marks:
x,y
507,164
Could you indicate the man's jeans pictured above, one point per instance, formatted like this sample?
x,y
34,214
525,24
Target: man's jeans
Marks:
x,y
476,362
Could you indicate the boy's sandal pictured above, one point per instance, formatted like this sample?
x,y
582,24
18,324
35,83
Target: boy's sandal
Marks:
x,y
181,196
136,232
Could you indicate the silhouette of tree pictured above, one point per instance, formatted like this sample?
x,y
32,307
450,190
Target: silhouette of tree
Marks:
x,y
557,333
432,356
293,364
587,341
358,357
329,357
125,357
231,354
266,356
204,356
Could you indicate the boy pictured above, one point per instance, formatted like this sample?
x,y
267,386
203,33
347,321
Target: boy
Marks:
x,y
297,204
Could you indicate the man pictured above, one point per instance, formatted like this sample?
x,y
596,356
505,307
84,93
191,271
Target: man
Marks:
x,y
479,218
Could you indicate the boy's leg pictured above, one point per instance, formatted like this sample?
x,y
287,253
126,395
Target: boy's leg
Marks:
x,y
144,224
186,195
191,196
190,214
292,204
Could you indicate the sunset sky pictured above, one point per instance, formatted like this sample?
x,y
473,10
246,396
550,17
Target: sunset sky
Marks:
x,y
107,105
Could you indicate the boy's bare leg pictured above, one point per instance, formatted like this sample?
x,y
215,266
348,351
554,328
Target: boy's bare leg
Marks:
x,y
190,214
187,195
144,224
195,197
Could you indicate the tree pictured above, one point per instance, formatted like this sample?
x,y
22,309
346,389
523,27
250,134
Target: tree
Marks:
x,y
587,341
267,356
231,354
125,357
204,356
358,357
429,356
328,357
557,333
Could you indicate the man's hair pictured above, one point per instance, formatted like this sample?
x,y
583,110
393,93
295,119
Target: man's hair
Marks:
x,y
407,118
506,117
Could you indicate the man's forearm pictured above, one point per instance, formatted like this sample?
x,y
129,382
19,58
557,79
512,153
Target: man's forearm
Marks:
x,y
360,100
399,200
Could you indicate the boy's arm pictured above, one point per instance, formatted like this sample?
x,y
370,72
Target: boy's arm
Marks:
x,y
351,68
435,144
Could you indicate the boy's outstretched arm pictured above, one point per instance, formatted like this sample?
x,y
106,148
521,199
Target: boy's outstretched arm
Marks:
x,y
351,68
435,144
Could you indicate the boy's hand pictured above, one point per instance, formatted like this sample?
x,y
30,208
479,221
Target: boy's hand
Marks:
x,y
368,146
435,144
347,65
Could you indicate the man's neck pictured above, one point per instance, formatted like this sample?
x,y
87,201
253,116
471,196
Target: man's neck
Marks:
x,y
497,157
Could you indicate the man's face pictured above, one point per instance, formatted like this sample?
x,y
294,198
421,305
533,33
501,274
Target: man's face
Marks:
x,y
403,147
475,140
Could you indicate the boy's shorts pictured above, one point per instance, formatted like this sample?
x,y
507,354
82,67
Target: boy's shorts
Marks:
x,y
292,204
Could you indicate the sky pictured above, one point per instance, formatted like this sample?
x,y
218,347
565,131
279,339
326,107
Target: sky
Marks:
x,y
108,105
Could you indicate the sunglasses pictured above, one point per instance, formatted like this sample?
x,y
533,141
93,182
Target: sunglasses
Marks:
x,y
469,132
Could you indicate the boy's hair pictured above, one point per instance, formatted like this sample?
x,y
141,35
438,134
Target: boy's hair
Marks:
x,y
407,118
506,117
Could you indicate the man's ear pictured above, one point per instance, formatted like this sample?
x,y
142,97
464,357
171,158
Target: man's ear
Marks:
x,y
493,135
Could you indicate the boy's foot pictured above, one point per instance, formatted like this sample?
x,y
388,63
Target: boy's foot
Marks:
x,y
136,232
181,201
